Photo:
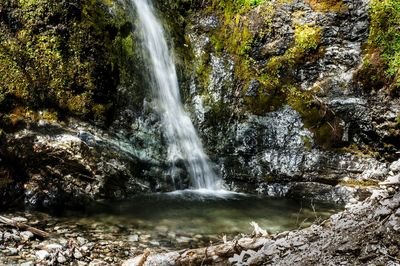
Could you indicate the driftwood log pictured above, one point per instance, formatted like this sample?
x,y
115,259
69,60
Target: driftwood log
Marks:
x,y
212,255
23,226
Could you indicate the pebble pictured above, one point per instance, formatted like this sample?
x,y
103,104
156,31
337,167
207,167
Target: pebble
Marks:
x,y
20,219
97,262
77,254
26,235
155,243
28,263
42,254
82,241
161,229
353,201
13,251
7,236
61,259
133,238
53,247
183,239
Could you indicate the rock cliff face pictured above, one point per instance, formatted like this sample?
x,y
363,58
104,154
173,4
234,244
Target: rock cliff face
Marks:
x,y
278,90
276,94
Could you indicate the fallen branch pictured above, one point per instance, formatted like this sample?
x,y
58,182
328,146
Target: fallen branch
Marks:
x,y
216,255
23,226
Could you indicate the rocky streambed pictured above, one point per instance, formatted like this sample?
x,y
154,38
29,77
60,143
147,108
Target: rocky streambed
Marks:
x,y
366,233
110,234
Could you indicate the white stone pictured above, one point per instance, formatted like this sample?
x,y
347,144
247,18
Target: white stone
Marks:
x,y
82,241
20,219
97,262
391,180
61,259
183,239
13,251
395,166
26,235
42,254
77,254
28,263
155,243
133,238
53,247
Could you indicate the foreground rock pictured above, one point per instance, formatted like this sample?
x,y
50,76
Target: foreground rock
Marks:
x,y
365,233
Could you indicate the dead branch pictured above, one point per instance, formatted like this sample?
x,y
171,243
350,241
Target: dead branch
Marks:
x,y
23,226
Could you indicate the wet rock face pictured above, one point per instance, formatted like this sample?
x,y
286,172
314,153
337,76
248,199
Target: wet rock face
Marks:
x,y
281,146
71,166
276,148
266,141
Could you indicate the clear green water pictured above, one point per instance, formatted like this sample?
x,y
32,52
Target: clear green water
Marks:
x,y
201,213
164,222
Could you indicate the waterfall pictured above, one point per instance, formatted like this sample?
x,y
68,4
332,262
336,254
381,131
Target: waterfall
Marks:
x,y
183,142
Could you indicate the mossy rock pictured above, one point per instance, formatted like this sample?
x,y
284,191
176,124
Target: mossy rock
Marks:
x,y
381,66
70,56
328,5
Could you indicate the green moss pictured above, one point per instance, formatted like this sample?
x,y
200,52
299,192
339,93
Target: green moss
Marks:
x,y
277,77
234,37
307,142
203,70
381,67
360,151
359,183
64,55
50,116
232,7
269,178
328,5
307,36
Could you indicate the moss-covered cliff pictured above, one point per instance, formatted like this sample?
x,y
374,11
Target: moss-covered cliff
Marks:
x,y
249,60
65,56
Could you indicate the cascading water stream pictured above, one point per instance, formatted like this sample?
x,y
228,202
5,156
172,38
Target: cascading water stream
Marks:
x,y
183,142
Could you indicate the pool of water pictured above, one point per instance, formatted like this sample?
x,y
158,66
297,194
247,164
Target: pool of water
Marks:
x,y
204,213
116,231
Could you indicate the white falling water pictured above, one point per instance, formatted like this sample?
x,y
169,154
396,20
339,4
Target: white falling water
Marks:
x,y
183,142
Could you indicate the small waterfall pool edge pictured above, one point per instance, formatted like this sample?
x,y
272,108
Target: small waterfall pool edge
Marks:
x,y
181,219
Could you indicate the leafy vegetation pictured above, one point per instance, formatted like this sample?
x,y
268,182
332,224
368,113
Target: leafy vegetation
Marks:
x,y
65,55
382,61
